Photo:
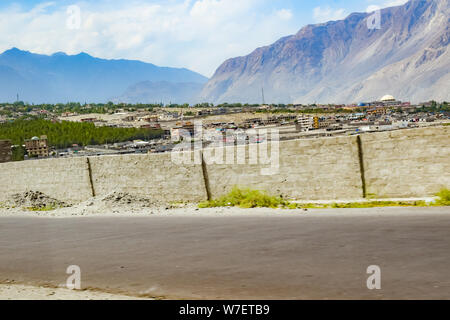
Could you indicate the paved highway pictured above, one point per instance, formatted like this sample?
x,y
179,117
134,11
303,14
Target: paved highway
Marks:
x,y
323,254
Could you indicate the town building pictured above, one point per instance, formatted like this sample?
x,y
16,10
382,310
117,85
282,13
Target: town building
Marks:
x,y
37,147
151,119
129,118
304,123
378,111
5,151
169,116
91,120
389,100
184,132
322,122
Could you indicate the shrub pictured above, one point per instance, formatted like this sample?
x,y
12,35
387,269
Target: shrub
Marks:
x,y
444,197
247,198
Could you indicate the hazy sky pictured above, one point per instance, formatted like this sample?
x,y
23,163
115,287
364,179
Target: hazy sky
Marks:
x,y
196,34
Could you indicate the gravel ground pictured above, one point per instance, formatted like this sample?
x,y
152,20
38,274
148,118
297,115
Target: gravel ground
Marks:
x,y
127,211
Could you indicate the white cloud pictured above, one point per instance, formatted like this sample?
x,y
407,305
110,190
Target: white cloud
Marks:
x,y
379,4
372,8
285,14
393,3
324,14
196,34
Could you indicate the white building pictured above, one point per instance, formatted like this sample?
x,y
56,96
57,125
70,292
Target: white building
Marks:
x,y
304,123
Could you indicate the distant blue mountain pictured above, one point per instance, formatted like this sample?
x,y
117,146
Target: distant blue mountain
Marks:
x,y
78,78
162,91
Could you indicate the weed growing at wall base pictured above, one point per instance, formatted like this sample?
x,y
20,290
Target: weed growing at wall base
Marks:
x,y
444,197
42,209
379,204
246,198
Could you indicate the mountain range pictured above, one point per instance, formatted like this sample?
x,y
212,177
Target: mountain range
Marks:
x,y
407,55
161,91
347,61
82,78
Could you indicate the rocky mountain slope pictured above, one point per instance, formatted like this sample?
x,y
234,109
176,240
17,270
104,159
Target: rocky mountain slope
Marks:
x,y
346,61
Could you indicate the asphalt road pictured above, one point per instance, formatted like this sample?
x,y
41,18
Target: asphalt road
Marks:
x,y
319,255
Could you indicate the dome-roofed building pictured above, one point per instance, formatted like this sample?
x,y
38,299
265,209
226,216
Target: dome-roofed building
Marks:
x,y
387,98
390,101
37,147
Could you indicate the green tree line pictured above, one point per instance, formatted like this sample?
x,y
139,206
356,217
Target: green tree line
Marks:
x,y
64,134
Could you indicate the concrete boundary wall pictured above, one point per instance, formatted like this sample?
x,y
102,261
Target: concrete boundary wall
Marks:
x,y
407,163
404,163
64,179
308,169
154,176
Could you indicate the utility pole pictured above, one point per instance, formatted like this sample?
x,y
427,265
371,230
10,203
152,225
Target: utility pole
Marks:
x,y
263,99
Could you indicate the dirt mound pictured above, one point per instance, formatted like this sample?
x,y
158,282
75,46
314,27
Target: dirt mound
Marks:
x,y
126,199
113,203
35,199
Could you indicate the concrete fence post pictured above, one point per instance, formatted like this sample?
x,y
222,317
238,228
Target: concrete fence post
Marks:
x,y
91,180
361,165
205,177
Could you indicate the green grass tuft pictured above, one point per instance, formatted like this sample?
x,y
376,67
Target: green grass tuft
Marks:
x,y
379,204
444,198
42,209
247,198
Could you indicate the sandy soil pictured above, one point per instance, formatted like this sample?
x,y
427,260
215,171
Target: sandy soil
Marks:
x,y
23,292
189,210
